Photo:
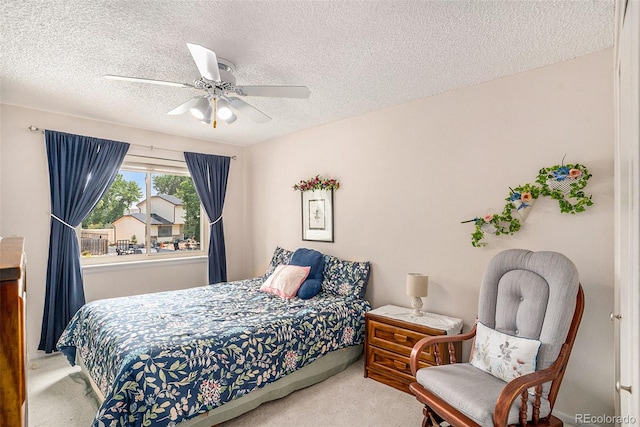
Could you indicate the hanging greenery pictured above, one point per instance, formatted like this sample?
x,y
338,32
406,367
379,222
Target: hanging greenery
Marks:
x,y
563,183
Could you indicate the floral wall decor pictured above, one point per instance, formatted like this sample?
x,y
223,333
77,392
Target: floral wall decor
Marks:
x,y
317,207
564,183
317,183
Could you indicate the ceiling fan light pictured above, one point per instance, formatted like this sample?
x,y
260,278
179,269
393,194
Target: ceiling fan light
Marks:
x,y
202,109
208,115
224,112
232,118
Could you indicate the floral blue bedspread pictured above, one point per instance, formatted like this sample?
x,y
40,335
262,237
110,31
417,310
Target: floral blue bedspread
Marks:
x,y
166,357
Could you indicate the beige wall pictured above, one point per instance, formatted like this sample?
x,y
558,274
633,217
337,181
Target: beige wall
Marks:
x,y
411,173
24,209
178,214
127,226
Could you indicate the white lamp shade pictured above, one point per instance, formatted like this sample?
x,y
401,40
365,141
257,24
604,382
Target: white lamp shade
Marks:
x,y
202,109
207,115
417,285
224,112
232,118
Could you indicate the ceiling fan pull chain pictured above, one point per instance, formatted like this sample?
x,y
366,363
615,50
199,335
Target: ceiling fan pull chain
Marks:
x,y
215,111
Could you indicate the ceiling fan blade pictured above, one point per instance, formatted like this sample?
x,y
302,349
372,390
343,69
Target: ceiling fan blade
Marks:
x,y
185,106
275,91
141,80
252,112
206,61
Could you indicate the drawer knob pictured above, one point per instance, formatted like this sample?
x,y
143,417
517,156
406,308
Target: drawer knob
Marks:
x,y
400,338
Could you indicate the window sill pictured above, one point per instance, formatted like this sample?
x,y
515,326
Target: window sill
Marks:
x,y
142,262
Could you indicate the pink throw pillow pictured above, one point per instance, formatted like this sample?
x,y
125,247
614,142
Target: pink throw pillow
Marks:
x,y
285,280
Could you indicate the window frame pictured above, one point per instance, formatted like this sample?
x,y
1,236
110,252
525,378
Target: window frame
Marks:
x,y
151,166
162,230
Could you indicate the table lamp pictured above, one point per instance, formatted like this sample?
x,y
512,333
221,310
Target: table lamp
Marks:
x,y
417,287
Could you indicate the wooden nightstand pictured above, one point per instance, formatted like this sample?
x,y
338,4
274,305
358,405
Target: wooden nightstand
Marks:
x,y
391,332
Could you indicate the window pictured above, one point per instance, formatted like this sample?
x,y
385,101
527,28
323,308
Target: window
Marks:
x,y
149,210
165,231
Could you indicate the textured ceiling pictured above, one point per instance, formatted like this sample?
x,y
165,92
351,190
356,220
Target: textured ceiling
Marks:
x,y
355,56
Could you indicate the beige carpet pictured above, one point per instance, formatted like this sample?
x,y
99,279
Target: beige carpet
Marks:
x,y
58,397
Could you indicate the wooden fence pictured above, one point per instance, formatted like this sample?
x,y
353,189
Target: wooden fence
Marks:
x,y
94,246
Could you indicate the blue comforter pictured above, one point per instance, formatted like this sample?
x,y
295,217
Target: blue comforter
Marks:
x,y
166,357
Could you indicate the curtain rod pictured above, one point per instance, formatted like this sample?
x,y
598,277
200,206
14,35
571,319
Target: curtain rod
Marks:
x,y
150,147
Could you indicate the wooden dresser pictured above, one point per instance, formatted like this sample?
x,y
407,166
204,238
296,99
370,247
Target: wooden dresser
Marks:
x,y
13,358
391,333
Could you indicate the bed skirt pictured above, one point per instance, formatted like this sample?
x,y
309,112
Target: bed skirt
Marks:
x,y
319,370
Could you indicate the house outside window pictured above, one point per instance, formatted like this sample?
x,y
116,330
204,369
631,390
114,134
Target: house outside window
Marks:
x,y
149,210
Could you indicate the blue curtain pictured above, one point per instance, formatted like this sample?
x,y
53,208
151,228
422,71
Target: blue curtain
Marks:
x,y
210,175
81,169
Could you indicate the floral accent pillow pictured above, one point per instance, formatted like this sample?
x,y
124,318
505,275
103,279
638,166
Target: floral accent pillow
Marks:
x,y
285,280
345,278
280,257
504,356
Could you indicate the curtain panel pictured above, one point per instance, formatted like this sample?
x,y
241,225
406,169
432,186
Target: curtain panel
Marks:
x,y
210,174
81,170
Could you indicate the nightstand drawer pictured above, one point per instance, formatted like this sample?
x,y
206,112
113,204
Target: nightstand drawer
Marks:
x,y
396,339
391,363
391,333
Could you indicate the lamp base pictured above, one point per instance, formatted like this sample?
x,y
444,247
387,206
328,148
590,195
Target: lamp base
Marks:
x,y
416,304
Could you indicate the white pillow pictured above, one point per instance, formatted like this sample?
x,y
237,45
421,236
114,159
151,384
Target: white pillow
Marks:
x,y
504,356
285,280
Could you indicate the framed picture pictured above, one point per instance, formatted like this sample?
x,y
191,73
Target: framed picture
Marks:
x,y
317,215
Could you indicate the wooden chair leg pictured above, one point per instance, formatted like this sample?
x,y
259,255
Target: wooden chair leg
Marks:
x,y
431,419
425,420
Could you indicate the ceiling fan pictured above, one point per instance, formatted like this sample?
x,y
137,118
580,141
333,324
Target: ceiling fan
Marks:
x,y
220,99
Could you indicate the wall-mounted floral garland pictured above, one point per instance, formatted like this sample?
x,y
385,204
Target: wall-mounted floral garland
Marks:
x,y
317,183
563,183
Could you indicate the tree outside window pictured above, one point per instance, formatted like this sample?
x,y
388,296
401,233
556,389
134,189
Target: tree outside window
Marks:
x,y
174,216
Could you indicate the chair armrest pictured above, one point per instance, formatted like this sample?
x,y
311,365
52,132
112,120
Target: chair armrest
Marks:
x,y
424,342
514,388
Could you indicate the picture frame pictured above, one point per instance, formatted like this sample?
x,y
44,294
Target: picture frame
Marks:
x,y
317,215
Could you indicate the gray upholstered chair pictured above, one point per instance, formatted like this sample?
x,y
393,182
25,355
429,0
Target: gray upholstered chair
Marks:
x,y
528,296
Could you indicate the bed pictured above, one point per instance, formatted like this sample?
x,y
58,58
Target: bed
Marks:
x,y
214,352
